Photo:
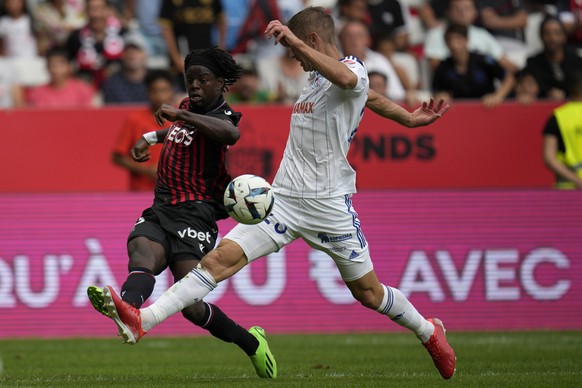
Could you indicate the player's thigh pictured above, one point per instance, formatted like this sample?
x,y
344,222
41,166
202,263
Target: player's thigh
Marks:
x,y
145,253
147,243
332,226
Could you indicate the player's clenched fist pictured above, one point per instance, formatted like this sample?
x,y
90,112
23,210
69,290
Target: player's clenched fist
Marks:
x,y
140,151
167,112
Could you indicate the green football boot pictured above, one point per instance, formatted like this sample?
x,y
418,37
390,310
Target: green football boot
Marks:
x,y
95,295
263,360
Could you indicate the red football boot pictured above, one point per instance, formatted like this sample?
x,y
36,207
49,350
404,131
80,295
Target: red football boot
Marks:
x,y
439,349
126,317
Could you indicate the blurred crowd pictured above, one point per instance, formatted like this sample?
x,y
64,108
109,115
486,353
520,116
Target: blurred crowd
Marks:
x,y
72,53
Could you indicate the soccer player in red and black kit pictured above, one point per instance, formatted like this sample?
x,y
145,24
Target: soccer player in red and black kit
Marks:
x,y
180,227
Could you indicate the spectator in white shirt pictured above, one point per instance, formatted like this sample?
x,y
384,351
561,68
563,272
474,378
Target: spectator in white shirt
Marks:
x,y
463,12
16,30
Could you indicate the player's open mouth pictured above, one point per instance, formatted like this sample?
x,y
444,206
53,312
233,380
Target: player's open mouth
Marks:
x,y
195,99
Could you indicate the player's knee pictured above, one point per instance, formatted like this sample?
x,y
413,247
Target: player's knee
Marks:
x,y
145,254
368,298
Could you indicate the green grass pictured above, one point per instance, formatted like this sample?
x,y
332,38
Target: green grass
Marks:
x,y
516,359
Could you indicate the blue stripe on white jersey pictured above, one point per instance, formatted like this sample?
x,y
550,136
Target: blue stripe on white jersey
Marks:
x,y
353,133
355,221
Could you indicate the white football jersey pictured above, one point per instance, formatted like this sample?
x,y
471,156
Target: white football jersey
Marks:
x,y
324,121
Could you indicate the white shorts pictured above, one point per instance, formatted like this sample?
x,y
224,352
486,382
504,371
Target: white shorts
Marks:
x,y
330,225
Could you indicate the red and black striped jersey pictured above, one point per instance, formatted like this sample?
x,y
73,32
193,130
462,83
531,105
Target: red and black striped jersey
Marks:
x,y
192,167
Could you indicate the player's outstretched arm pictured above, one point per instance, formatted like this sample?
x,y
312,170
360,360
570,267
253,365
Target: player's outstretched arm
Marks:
x,y
426,114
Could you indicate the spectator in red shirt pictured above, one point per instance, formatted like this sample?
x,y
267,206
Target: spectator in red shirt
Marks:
x,y
96,48
160,89
63,89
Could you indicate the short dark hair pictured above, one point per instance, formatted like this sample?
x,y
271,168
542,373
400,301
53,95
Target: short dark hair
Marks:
x,y
548,19
57,51
313,19
456,29
525,72
158,74
373,73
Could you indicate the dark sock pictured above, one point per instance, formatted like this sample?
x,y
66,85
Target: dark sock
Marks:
x,y
138,286
224,328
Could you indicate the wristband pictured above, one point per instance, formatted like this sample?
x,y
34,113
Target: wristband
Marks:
x,y
151,137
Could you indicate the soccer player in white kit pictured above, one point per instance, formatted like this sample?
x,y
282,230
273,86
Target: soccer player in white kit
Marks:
x,y
313,188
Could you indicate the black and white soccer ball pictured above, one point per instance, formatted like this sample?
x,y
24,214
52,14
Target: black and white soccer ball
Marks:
x,y
249,199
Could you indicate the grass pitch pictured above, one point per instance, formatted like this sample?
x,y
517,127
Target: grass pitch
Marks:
x,y
516,359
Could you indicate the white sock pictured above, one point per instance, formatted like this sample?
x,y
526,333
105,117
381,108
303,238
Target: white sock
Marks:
x,y
401,311
189,290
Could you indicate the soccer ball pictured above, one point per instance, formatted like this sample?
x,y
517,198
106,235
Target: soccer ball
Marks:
x,y
248,199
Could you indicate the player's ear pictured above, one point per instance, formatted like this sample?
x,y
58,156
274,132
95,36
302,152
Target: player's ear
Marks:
x,y
313,39
220,81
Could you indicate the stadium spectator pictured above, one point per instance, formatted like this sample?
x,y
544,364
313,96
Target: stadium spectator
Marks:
x,y
553,67
526,87
146,13
314,186
142,176
432,12
570,14
251,39
469,75
562,149
405,64
378,82
463,12
326,4
54,20
16,30
127,86
350,11
11,92
96,48
63,89
190,184
247,89
282,76
390,17
188,24
506,21
236,15
355,40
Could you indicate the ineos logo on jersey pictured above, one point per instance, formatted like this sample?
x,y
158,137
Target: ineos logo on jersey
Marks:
x,y
181,135
192,233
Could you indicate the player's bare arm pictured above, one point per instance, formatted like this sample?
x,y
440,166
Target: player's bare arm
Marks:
x,y
426,114
314,54
222,131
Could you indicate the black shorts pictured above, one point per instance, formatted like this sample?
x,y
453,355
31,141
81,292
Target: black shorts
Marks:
x,y
187,230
